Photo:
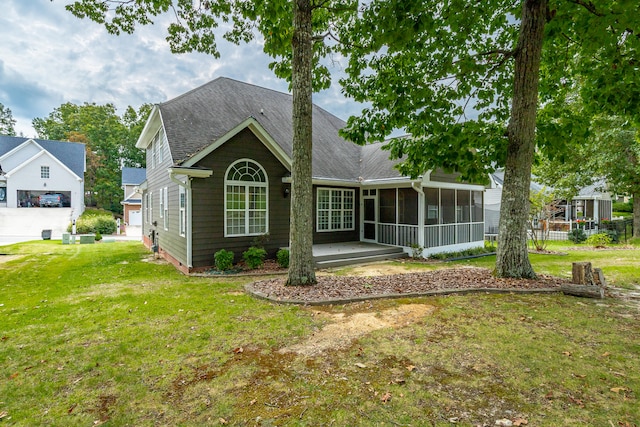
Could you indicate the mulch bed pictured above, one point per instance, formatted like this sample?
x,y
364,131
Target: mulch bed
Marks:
x,y
335,289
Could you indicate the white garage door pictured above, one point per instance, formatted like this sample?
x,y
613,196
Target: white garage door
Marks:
x,y
135,218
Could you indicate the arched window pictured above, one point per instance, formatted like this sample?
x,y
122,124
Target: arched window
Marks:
x,y
246,198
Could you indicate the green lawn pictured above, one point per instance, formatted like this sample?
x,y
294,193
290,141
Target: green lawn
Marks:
x,y
102,334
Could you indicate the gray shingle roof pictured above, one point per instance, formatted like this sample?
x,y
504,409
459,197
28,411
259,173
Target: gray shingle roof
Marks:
x,y
133,176
71,154
597,189
498,177
198,118
376,163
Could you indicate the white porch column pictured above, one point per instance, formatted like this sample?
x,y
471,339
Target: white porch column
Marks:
x,y
417,186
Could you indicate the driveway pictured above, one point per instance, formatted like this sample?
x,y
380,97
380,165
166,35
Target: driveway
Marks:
x,y
27,223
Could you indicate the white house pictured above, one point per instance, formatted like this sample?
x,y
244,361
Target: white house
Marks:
x,y
31,168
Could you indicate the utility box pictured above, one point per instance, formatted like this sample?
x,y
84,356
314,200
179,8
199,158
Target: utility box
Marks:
x,y
46,234
87,238
66,237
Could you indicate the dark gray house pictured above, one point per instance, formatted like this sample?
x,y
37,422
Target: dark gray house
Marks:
x,y
218,175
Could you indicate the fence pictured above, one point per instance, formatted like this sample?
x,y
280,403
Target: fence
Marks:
x,y
622,228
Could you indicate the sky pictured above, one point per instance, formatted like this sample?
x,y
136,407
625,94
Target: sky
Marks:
x,y
49,57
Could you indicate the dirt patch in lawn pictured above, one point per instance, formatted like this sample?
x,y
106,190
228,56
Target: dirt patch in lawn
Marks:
x,y
7,258
342,328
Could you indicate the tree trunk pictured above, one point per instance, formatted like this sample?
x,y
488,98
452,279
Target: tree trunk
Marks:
x,y
301,268
512,255
636,214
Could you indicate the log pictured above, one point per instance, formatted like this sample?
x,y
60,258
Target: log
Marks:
x,y
582,273
584,291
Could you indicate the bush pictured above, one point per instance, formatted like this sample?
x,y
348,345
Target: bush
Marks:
x,y
223,260
622,207
106,225
98,236
416,251
282,256
87,224
599,240
254,257
613,235
577,235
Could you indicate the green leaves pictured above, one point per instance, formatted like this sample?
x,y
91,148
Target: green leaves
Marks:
x,y
7,122
110,143
437,70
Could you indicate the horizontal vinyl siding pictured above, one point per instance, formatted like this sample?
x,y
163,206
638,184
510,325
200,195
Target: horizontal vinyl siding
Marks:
x,y
157,178
208,201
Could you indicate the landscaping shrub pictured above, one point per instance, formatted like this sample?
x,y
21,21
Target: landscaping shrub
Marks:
x,y
98,236
577,235
622,207
462,253
254,257
416,251
102,224
223,260
599,240
613,235
105,225
282,256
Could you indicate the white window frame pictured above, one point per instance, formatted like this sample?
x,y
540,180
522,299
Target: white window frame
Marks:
x,y
246,186
146,208
151,207
330,210
182,211
165,214
45,172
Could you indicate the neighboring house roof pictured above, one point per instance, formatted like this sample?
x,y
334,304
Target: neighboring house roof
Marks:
x,y
498,178
597,189
200,117
70,154
133,176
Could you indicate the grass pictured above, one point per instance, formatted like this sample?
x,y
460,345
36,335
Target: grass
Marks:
x,y
102,334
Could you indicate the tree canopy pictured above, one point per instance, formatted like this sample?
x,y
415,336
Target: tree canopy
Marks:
x,y
7,122
610,152
465,79
110,142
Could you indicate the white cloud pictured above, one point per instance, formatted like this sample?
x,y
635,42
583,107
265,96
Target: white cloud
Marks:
x,y
49,57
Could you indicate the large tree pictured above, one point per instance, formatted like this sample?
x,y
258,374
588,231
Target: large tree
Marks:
x,y
294,32
465,80
610,151
7,122
109,141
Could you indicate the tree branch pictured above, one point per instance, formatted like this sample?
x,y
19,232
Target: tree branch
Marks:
x,y
587,5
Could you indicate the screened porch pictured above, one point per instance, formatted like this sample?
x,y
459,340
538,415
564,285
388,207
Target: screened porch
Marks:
x,y
427,217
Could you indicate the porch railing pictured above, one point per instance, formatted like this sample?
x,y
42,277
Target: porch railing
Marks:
x,y
451,234
398,234
434,235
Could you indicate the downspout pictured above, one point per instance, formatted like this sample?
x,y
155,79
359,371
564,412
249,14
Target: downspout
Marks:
x,y
187,186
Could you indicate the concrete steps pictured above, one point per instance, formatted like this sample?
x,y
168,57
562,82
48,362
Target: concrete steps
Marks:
x,y
358,257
